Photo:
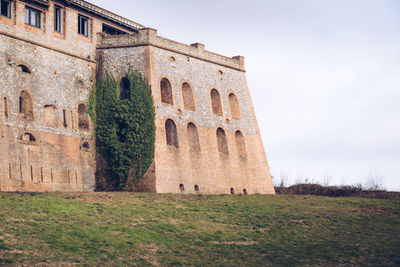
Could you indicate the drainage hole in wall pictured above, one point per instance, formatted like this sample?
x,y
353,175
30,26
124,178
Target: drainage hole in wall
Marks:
x,y
181,187
232,191
245,191
196,188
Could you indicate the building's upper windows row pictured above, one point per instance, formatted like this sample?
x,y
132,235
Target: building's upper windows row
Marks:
x,y
5,7
35,17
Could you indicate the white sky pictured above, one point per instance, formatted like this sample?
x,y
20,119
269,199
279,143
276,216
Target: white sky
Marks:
x,y
324,76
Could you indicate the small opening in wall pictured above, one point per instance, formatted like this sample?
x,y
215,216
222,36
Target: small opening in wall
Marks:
x,y
28,137
86,145
5,107
172,59
181,187
64,119
79,83
245,191
125,87
196,188
220,72
23,68
232,191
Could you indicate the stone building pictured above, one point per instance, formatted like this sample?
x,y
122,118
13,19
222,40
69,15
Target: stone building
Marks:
x,y
207,138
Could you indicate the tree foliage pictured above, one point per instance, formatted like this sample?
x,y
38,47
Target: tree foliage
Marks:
x,y
125,128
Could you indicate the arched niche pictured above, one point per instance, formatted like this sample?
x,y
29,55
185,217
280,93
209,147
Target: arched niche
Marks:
x,y
26,105
216,103
222,141
193,137
51,115
188,98
166,92
171,133
234,106
240,144
83,117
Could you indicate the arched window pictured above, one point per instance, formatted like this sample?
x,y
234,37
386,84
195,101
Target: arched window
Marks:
x,y
23,68
83,117
216,102
25,105
234,106
240,144
166,92
51,115
125,88
222,143
171,133
188,99
193,137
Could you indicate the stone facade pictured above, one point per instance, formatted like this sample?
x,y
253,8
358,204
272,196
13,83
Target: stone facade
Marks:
x,y
207,138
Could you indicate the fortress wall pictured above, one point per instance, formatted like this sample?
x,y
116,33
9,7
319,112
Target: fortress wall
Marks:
x,y
214,172
55,157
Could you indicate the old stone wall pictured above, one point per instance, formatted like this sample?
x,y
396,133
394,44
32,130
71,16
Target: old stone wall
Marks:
x,y
44,149
188,156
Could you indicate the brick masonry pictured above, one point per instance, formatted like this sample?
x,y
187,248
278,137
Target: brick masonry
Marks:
x,y
62,66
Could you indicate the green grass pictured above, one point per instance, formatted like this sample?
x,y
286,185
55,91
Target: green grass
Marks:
x,y
151,229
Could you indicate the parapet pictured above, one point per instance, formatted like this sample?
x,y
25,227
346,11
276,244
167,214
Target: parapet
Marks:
x,y
148,36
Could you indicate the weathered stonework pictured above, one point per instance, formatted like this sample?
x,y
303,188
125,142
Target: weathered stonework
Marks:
x,y
50,146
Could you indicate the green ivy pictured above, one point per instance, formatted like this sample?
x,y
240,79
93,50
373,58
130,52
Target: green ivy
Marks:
x,y
125,129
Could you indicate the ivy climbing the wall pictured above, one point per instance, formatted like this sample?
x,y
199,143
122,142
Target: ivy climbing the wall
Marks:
x,y
125,130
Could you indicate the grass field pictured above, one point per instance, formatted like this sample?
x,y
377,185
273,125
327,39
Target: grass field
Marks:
x,y
150,229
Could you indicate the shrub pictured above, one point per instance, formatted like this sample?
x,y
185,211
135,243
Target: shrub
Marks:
x,y
125,130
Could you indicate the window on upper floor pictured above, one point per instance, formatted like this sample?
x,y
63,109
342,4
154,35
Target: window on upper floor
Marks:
x,y
83,25
32,16
111,30
5,7
57,18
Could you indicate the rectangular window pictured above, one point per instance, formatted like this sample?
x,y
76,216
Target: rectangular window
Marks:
x,y
32,16
57,19
5,7
83,25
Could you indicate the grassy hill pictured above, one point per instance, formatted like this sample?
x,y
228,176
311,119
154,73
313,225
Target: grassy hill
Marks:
x,y
151,229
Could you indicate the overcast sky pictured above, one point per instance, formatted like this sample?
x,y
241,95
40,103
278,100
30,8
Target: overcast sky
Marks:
x,y
324,77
